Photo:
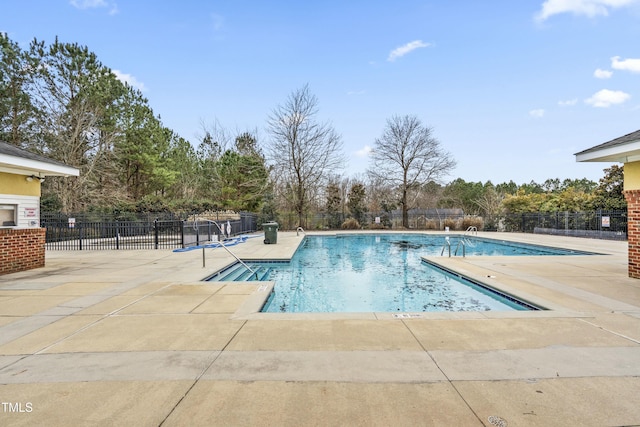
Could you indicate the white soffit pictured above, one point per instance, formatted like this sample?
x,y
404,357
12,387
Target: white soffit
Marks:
x,y
22,166
623,153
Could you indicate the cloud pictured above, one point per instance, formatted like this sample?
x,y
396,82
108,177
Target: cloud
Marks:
x,y
588,8
130,80
602,74
364,152
218,21
606,98
356,92
88,4
92,4
629,64
403,50
537,114
568,103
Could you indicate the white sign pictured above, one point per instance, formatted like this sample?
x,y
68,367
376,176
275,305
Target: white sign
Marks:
x,y
377,220
72,222
606,221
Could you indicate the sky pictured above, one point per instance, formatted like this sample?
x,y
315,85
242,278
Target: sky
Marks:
x,y
511,89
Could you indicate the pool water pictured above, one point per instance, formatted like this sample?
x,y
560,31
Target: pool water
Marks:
x,y
379,273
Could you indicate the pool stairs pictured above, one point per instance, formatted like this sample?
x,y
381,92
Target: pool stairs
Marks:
x,y
239,273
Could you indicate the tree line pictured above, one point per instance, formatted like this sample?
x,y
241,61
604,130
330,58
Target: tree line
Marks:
x,y
60,101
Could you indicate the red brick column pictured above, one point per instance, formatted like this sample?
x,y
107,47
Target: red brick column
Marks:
x,y
633,231
21,249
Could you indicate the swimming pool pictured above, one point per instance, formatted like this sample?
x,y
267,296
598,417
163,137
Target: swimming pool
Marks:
x,y
380,273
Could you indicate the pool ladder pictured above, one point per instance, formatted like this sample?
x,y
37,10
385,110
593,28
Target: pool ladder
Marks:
x,y
447,245
462,242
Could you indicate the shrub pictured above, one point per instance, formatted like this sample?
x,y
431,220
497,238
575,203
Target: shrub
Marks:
x,y
351,224
451,223
472,221
431,224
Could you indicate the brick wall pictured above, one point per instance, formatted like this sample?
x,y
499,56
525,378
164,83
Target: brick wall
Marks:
x,y
633,231
21,249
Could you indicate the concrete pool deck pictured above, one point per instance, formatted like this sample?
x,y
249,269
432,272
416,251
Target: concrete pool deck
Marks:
x,y
135,338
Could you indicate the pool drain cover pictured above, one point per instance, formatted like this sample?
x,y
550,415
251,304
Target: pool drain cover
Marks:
x,y
495,420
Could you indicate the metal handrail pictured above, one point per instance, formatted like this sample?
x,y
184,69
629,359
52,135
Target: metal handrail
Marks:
x,y
447,243
229,250
471,229
300,229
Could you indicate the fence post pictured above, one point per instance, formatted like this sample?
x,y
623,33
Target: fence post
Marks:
x,y
117,235
80,233
155,232
182,223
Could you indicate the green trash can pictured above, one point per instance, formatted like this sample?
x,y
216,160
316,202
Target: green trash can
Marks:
x,y
270,233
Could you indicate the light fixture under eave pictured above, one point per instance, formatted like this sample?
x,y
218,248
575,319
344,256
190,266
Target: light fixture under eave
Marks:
x,y
32,177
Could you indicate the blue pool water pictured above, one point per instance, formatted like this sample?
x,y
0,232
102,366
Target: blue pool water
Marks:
x,y
380,273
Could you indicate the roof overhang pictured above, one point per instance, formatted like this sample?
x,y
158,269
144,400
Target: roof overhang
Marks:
x,y
23,166
624,154
625,149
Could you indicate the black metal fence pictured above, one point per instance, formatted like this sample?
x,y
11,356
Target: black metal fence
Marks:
x,y
597,224
421,219
167,231
88,232
611,225
200,231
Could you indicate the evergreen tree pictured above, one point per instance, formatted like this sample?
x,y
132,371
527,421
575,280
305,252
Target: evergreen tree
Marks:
x,y
16,110
356,203
609,194
334,202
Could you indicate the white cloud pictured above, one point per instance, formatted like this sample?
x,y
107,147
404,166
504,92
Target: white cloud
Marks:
x,y
602,74
537,114
356,92
568,103
364,152
92,4
588,8
403,50
87,4
628,64
130,80
606,98
218,21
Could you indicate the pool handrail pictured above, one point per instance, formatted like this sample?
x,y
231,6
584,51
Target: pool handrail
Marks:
x,y
228,250
447,244
464,253
471,229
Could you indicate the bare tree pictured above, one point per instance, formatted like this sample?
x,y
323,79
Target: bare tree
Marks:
x,y
407,156
303,151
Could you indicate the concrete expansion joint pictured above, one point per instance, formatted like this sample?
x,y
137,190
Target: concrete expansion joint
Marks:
x,y
612,332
